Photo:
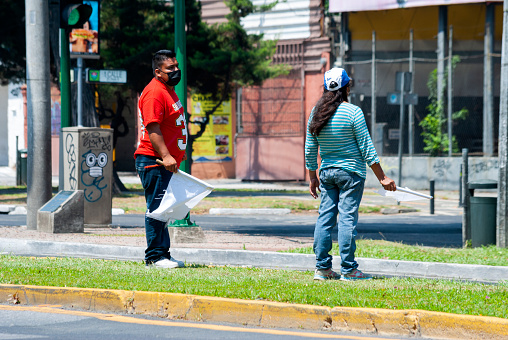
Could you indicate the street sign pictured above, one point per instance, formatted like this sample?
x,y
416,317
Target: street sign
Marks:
x,y
393,98
407,81
106,76
411,99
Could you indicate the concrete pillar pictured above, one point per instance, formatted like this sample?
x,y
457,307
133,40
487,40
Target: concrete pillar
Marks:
x,y
88,166
38,108
441,45
502,202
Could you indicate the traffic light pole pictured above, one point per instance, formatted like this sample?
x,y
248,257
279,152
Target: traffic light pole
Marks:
x,y
79,80
181,89
65,97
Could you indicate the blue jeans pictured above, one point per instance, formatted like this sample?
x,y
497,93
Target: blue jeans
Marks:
x,y
341,193
155,180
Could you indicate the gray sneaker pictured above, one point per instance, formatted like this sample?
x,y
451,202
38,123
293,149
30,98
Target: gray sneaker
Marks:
x,y
325,274
167,264
355,275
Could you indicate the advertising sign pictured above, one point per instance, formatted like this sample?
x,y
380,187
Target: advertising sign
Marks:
x,y
216,143
84,41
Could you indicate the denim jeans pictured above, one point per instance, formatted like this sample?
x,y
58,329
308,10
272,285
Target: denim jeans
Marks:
x,y
341,193
155,180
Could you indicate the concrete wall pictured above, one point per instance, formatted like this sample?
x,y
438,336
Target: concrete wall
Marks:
x,y
418,171
270,158
15,122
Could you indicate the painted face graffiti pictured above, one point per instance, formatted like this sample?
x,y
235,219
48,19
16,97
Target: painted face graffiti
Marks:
x,y
92,175
96,163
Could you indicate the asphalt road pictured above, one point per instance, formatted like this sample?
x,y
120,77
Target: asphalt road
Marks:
x,y
19,322
436,231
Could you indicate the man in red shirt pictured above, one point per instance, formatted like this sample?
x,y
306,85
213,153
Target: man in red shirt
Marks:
x,y
163,137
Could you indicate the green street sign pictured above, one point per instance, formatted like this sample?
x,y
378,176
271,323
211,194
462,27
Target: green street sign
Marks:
x,y
106,76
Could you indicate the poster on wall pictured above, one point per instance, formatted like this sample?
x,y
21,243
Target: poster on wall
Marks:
x,y
84,41
216,143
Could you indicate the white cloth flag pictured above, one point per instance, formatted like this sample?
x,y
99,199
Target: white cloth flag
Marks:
x,y
183,193
403,194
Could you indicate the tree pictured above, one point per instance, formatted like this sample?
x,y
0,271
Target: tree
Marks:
x,y
434,135
233,59
220,57
12,41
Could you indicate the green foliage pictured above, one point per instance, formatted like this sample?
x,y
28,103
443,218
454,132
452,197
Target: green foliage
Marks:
x,y
12,41
219,56
434,133
233,58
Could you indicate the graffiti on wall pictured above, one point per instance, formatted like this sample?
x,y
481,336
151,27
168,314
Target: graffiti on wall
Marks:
x,y
484,166
70,150
94,140
92,164
441,167
92,176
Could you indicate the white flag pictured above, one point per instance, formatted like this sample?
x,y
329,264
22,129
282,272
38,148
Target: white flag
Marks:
x,y
403,194
183,193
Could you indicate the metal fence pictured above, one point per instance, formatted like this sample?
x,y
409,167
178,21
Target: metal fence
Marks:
x,y
467,93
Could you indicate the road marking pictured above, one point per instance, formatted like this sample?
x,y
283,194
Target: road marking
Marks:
x,y
127,319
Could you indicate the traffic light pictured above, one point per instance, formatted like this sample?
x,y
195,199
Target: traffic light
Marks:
x,y
73,13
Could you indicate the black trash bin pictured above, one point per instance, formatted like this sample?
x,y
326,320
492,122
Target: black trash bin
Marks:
x,y
483,211
21,167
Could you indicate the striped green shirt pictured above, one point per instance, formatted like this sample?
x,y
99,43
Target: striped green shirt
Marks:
x,y
344,142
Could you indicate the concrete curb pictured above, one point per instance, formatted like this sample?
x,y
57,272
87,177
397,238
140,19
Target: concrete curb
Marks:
x,y
263,259
249,211
409,323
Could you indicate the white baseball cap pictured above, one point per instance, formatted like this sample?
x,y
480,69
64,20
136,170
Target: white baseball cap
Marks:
x,y
336,78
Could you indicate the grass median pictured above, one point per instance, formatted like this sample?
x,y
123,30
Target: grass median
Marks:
x,y
380,249
259,284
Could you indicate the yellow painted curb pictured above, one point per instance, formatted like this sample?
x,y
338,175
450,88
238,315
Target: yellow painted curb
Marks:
x,y
263,313
419,323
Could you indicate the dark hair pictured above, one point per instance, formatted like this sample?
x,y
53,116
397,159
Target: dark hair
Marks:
x,y
160,56
326,107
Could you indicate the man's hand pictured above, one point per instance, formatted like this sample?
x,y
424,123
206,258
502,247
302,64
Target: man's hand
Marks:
x,y
170,164
184,158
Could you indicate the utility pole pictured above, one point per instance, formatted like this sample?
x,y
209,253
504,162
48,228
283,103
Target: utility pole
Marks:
x,y
450,91
373,91
502,207
410,122
65,98
401,125
441,39
38,108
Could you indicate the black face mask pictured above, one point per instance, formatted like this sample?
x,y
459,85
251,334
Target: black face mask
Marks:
x,y
173,77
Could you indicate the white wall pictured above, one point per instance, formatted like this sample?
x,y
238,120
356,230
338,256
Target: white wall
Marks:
x,y
418,171
15,122
4,145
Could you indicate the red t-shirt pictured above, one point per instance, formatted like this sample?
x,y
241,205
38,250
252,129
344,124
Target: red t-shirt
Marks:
x,y
158,104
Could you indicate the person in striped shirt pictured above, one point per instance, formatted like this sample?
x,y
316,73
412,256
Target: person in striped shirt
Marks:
x,y
338,130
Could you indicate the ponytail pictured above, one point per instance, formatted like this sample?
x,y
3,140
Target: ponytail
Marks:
x,y
326,107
